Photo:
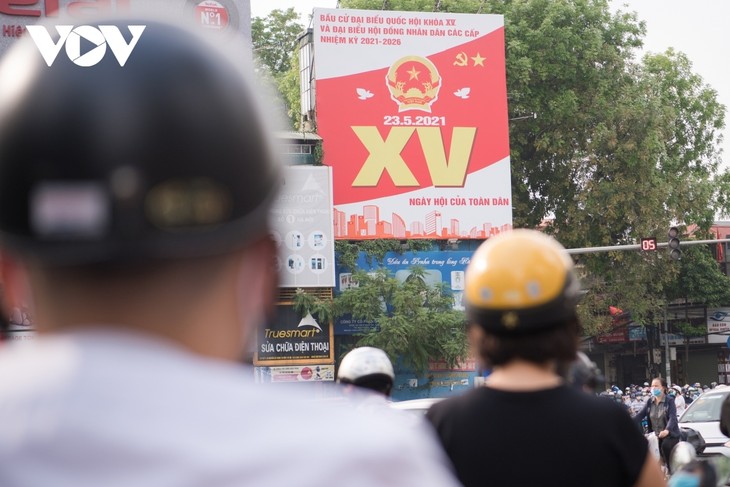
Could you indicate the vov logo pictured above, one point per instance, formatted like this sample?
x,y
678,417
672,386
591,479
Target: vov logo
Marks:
x,y
70,36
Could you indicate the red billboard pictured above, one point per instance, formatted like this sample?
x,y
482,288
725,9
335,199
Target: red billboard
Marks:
x,y
412,109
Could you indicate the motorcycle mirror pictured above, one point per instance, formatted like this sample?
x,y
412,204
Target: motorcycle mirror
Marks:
x,y
682,454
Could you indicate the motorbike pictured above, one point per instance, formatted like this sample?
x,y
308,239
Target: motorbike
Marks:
x,y
693,471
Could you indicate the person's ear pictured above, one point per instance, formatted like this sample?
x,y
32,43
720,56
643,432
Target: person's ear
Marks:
x,y
266,280
256,288
15,283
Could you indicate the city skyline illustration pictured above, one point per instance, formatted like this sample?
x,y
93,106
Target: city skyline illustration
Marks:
x,y
368,224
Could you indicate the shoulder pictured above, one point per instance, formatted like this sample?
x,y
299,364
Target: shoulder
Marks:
x,y
406,452
41,367
458,406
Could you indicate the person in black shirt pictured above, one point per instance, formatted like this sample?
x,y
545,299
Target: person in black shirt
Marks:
x,y
527,426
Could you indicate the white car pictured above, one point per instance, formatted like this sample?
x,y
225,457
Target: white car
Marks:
x,y
416,406
703,415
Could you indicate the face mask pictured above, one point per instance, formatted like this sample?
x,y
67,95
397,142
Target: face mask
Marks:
x,y
656,392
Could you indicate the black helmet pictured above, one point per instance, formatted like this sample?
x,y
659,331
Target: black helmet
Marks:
x,y
162,157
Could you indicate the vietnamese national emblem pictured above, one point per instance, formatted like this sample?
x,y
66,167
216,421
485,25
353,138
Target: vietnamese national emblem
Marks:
x,y
414,83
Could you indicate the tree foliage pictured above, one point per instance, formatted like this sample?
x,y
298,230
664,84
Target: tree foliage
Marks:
x,y
348,251
274,42
699,280
621,147
274,38
417,321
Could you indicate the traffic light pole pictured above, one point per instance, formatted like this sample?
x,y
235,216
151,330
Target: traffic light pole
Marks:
x,y
667,358
613,248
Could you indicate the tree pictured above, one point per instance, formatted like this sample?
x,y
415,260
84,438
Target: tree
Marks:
x,y
417,322
274,42
619,149
699,282
274,38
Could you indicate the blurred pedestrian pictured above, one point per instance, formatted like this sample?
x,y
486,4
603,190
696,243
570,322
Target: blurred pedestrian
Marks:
x,y
678,400
134,210
522,294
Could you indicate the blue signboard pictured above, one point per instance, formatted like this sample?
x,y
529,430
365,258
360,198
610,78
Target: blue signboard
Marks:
x,y
440,267
637,333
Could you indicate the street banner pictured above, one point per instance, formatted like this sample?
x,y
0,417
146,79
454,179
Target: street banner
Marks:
x,y
412,109
718,325
295,373
292,340
222,16
620,335
447,267
302,219
675,340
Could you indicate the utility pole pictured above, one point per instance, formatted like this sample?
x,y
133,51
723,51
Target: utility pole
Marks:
x,y
666,345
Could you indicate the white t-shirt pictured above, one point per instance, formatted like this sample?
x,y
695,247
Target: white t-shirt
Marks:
x,y
679,402
115,409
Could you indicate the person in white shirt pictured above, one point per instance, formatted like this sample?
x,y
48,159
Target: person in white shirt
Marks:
x,y
678,399
134,209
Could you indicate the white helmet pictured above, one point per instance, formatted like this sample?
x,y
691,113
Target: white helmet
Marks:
x,y
364,362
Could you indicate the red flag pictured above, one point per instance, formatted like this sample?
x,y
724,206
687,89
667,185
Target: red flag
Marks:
x,y
614,310
720,245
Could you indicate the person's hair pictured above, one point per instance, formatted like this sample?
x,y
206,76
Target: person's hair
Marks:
x,y
201,269
376,382
558,342
663,382
183,280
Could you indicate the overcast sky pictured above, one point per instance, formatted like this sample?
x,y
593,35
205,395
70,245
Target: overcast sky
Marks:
x,y
698,28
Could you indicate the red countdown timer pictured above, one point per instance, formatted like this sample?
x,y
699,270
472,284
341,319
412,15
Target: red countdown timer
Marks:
x,y
648,244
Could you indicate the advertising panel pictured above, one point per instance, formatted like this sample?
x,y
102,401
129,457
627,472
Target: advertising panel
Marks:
x,y
292,340
447,267
212,15
675,339
412,109
295,373
718,325
616,336
637,333
439,381
302,218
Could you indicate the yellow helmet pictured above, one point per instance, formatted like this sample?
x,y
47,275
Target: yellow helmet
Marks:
x,y
520,281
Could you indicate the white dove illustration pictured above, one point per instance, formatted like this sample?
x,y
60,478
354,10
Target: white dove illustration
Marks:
x,y
363,94
463,93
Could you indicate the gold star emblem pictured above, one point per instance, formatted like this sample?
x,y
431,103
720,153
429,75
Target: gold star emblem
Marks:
x,y
510,320
478,60
414,74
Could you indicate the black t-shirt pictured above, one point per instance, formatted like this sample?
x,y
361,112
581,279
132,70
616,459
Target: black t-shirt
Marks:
x,y
560,436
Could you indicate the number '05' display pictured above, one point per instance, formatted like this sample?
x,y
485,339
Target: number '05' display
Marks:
x,y
648,244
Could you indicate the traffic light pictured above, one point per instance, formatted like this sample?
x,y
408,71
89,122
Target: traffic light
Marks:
x,y
674,252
